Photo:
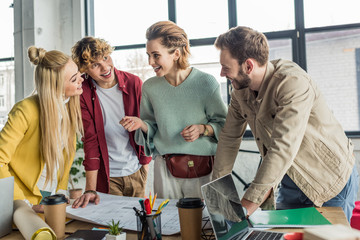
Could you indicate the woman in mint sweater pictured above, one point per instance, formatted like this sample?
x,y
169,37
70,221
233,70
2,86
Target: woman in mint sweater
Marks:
x,y
181,109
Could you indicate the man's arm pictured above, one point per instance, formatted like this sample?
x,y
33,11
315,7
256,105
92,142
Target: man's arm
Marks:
x,y
229,140
251,206
90,194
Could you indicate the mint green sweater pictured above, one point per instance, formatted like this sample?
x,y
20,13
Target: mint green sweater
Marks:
x,y
167,110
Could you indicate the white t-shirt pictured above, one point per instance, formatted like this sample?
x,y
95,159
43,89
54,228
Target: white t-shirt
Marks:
x,y
122,157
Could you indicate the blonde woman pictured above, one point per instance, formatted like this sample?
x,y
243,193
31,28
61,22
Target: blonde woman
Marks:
x,y
37,144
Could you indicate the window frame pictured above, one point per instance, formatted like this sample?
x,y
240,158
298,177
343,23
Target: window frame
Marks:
x,y
296,35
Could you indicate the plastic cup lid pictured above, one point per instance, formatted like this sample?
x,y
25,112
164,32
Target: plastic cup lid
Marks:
x,y
54,199
190,203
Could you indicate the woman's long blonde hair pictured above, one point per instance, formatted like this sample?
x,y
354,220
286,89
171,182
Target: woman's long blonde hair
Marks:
x,y
59,122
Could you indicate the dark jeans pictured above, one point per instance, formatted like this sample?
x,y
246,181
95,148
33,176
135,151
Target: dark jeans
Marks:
x,y
290,196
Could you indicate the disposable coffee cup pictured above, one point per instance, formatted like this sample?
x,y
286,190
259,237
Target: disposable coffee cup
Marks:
x,y
190,215
55,213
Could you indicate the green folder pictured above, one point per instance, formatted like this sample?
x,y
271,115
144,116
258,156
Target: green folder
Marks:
x,y
290,218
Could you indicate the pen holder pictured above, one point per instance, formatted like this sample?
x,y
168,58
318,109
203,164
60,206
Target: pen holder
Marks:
x,y
149,226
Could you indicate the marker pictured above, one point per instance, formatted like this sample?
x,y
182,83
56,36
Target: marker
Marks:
x,y
137,211
149,219
141,201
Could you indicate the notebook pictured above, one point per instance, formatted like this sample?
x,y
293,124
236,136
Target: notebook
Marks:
x,y
226,213
88,235
289,218
6,205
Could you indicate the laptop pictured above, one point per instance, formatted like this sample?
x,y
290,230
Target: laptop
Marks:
x,y
6,205
226,212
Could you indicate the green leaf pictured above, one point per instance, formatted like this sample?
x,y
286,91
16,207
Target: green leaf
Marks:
x,y
74,171
114,228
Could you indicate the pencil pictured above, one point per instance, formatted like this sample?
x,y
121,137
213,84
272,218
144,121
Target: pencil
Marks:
x,y
153,202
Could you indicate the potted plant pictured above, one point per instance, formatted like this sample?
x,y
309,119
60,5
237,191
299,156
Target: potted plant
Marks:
x,y
76,171
115,231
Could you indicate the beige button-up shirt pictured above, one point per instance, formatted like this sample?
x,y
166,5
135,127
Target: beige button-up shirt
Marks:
x,y
295,131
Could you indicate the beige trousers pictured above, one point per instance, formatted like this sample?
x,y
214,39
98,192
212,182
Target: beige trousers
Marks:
x,y
130,186
168,186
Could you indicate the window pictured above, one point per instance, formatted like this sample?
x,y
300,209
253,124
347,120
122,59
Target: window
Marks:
x,y
2,80
125,22
2,101
265,15
324,39
7,93
331,58
322,13
280,49
211,17
134,61
7,29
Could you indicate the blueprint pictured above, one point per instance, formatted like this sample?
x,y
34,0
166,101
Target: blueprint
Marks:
x,y
121,209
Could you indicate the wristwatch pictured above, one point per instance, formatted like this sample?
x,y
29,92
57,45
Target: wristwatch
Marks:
x,y
206,131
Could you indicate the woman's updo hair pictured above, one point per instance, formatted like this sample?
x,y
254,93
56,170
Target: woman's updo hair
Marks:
x,y
48,71
172,37
36,55
54,60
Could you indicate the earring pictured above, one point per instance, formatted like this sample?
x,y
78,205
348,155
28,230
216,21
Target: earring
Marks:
x,y
86,76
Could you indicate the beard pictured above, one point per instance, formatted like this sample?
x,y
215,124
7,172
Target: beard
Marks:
x,y
241,81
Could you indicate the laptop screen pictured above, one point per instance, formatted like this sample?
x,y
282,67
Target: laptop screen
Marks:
x,y
224,207
6,205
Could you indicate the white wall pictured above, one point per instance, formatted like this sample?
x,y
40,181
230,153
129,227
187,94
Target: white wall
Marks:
x,y
55,24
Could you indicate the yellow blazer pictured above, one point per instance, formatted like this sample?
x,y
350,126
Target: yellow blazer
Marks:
x,y
20,151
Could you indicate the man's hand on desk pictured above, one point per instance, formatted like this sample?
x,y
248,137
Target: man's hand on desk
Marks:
x,y
250,206
88,196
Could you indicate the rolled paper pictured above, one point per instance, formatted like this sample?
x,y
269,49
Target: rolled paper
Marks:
x,y
30,225
43,234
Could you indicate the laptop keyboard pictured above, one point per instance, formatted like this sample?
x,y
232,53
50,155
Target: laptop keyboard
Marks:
x,y
262,235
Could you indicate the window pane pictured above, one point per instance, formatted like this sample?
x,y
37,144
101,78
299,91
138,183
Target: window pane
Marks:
x,y
134,61
125,22
333,61
321,13
265,15
206,59
280,49
7,90
202,18
7,29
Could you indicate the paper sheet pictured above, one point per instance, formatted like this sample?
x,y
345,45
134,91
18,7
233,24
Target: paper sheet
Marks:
x,y
121,209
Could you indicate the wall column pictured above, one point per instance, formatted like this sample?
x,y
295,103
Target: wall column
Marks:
x,y
54,24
